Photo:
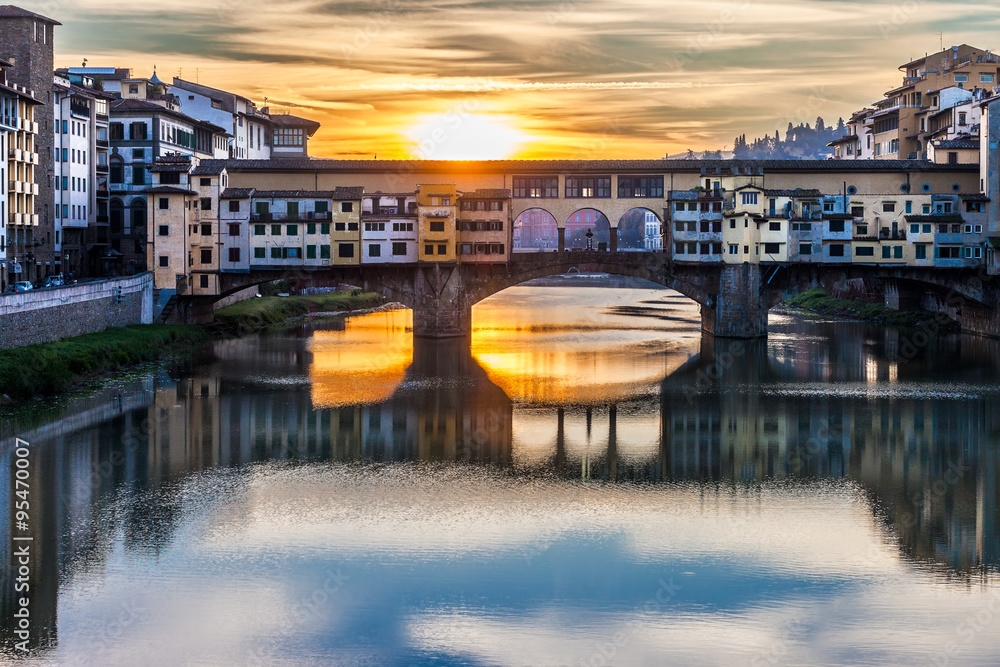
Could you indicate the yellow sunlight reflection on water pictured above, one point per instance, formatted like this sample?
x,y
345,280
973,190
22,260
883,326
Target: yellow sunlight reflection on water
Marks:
x,y
365,362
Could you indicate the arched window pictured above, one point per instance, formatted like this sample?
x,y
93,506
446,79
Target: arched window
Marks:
x,y
138,207
117,216
117,169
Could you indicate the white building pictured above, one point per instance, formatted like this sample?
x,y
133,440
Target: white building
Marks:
x,y
80,175
654,233
389,228
250,128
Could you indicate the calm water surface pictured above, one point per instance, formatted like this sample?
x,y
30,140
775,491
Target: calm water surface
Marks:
x,y
589,483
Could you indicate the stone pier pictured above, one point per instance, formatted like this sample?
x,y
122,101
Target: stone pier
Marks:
x,y
739,307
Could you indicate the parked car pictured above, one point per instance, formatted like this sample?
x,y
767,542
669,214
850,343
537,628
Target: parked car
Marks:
x,y
21,286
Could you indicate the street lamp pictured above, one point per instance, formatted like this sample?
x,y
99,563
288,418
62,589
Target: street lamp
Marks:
x,y
590,240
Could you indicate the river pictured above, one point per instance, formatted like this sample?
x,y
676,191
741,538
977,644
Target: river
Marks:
x,y
590,482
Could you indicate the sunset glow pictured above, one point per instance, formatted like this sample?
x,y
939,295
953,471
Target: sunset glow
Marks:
x,y
464,136
556,80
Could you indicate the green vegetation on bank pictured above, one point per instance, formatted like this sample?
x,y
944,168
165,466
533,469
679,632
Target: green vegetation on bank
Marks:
x,y
50,368
818,301
266,311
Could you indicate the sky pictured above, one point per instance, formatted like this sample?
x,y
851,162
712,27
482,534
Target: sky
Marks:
x,y
568,79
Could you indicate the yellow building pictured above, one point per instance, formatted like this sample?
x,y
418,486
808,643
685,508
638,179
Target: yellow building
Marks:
x,y
437,228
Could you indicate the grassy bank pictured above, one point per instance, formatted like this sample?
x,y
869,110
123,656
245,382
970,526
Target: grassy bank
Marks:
x,y
51,368
818,301
266,311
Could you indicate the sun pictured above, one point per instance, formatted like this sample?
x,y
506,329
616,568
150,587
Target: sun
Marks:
x,y
465,136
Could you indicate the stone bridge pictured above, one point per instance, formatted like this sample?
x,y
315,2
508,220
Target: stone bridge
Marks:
x,y
734,298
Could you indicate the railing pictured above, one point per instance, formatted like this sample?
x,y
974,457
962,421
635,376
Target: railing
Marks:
x,y
79,108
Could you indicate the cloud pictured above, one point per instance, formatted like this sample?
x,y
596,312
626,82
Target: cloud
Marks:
x,y
365,70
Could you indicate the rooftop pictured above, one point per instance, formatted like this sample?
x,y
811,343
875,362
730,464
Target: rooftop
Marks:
x,y
13,12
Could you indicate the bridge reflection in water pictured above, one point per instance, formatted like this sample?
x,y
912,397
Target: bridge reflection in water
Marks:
x,y
843,406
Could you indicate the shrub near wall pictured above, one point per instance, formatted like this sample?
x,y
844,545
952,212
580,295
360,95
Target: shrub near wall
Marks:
x,y
50,368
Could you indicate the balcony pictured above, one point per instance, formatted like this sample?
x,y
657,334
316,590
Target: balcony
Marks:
x,y
102,169
16,187
889,235
261,217
103,143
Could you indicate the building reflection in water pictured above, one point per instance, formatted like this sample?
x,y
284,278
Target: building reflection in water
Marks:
x,y
797,407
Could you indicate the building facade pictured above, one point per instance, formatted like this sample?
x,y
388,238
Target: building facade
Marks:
x,y
26,43
18,185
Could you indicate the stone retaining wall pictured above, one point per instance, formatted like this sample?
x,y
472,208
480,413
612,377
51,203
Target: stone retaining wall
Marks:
x,y
45,315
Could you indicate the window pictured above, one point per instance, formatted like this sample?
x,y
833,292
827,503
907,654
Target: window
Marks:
x,y
925,229
206,230
324,252
206,203
837,250
828,207
346,207
234,254
293,253
985,78
774,226
345,250
206,255
287,136
961,78
679,206
164,261
258,253
292,230
275,230
310,252
886,252
259,230
858,211
920,251
374,250
340,226
437,225
888,207
749,198
428,249
597,187
442,249
805,249
275,253
914,228
734,249
836,226
772,248
324,228
399,248
234,206
679,248
116,131
352,226
538,187
640,186
164,203
865,251
234,229
292,210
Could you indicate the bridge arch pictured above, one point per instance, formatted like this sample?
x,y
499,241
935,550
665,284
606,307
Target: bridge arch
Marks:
x,y
536,229
640,228
594,220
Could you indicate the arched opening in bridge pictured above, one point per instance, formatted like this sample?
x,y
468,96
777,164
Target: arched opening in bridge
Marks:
x,y
535,229
640,230
584,220
582,337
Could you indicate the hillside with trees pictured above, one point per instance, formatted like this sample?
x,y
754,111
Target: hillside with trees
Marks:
x,y
802,142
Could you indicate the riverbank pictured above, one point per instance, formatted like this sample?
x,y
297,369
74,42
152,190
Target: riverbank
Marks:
x,y
51,368
253,314
48,369
820,302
